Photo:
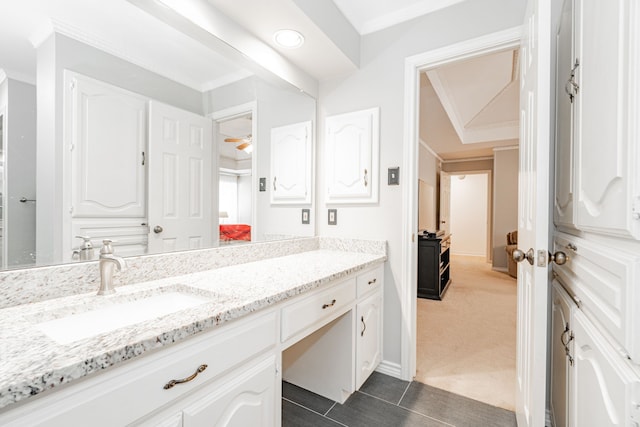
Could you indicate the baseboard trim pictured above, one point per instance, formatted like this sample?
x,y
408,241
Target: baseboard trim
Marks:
x,y
500,269
390,368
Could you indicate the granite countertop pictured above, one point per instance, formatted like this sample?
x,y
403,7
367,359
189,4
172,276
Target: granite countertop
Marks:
x,y
32,362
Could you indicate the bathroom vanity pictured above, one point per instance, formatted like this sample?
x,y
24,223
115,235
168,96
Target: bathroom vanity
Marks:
x,y
312,318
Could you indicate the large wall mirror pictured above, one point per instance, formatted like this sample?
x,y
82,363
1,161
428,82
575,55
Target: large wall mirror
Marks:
x,y
115,124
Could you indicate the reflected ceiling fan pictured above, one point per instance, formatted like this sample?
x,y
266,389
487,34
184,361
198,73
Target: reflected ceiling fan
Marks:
x,y
245,144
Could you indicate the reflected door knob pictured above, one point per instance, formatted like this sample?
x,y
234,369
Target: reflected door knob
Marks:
x,y
518,255
560,258
157,229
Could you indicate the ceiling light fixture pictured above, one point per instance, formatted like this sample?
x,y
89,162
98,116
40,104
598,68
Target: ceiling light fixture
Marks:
x,y
290,39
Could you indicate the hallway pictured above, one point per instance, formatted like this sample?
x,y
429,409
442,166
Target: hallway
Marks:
x,y
466,343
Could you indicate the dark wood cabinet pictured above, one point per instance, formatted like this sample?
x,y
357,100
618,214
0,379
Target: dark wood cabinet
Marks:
x,y
434,272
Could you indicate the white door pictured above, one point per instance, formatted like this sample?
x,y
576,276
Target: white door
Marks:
x,y
445,202
533,214
180,187
369,338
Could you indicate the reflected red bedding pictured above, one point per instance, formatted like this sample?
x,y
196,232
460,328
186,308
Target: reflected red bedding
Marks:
x,y
235,232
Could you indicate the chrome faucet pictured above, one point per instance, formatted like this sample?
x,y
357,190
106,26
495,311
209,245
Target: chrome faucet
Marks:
x,y
107,263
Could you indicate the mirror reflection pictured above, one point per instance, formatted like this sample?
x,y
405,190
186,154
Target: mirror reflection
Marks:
x,y
115,125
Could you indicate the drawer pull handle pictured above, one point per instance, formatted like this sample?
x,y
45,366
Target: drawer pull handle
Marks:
x,y
172,383
364,326
329,305
371,282
572,247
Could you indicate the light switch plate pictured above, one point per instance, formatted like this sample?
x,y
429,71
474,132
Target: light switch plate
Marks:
x,y
263,184
393,176
306,213
333,217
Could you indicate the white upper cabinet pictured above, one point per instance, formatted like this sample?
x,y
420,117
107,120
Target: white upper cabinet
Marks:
x,y
606,113
107,141
563,212
352,157
291,164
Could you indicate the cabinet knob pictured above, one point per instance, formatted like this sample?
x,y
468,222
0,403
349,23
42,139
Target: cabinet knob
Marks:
x,y
158,229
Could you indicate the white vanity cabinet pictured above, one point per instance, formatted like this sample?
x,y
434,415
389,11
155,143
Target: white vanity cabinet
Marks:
x,y
231,376
291,164
352,157
136,391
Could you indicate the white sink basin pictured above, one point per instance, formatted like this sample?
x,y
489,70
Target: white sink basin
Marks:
x,y
99,320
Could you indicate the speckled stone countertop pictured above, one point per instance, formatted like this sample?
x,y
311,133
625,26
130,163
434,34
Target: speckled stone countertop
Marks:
x,y
31,362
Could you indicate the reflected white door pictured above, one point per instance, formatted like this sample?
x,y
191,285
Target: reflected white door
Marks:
x,y
445,202
533,214
180,187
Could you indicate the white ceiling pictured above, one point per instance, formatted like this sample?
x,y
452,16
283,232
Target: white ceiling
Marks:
x,y
470,107
368,16
115,26
478,97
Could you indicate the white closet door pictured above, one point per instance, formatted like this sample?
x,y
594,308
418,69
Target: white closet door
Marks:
x,y
108,139
180,180
533,214
291,164
606,114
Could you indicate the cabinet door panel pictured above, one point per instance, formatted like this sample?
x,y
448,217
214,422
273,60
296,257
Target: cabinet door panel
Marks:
x,y
561,329
107,138
369,337
602,385
563,200
247,400
606,114
352,157
291,164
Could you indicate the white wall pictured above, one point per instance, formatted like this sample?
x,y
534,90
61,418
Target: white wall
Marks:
x,y
380,82
428,169
276,106
469,220
20,173
505,199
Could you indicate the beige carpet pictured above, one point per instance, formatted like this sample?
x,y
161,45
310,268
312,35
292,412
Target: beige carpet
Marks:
x,y
467,342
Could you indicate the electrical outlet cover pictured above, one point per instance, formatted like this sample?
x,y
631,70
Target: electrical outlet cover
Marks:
x,y
263,184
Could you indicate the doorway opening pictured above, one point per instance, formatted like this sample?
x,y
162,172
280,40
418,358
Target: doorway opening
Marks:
x,y
235,130
429,326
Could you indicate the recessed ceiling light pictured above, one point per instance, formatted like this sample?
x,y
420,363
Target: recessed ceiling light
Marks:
x,y
290,39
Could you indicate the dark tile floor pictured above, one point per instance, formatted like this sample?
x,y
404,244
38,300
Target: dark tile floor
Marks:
x,y
386,401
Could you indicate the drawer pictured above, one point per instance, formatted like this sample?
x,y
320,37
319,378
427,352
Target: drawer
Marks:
x,y
137,389
316,308
604,279
370,280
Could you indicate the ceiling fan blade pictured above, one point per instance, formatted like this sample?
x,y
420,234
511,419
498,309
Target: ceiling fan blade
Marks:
x,y
234,140
243,146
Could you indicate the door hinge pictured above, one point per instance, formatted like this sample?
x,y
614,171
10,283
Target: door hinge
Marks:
x,y
72,85
71,209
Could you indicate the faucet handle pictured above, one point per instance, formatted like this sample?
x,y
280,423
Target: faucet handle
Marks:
x,y
106,247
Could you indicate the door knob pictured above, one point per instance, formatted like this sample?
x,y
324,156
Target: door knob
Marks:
x,y
158,229
519,255
560,258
